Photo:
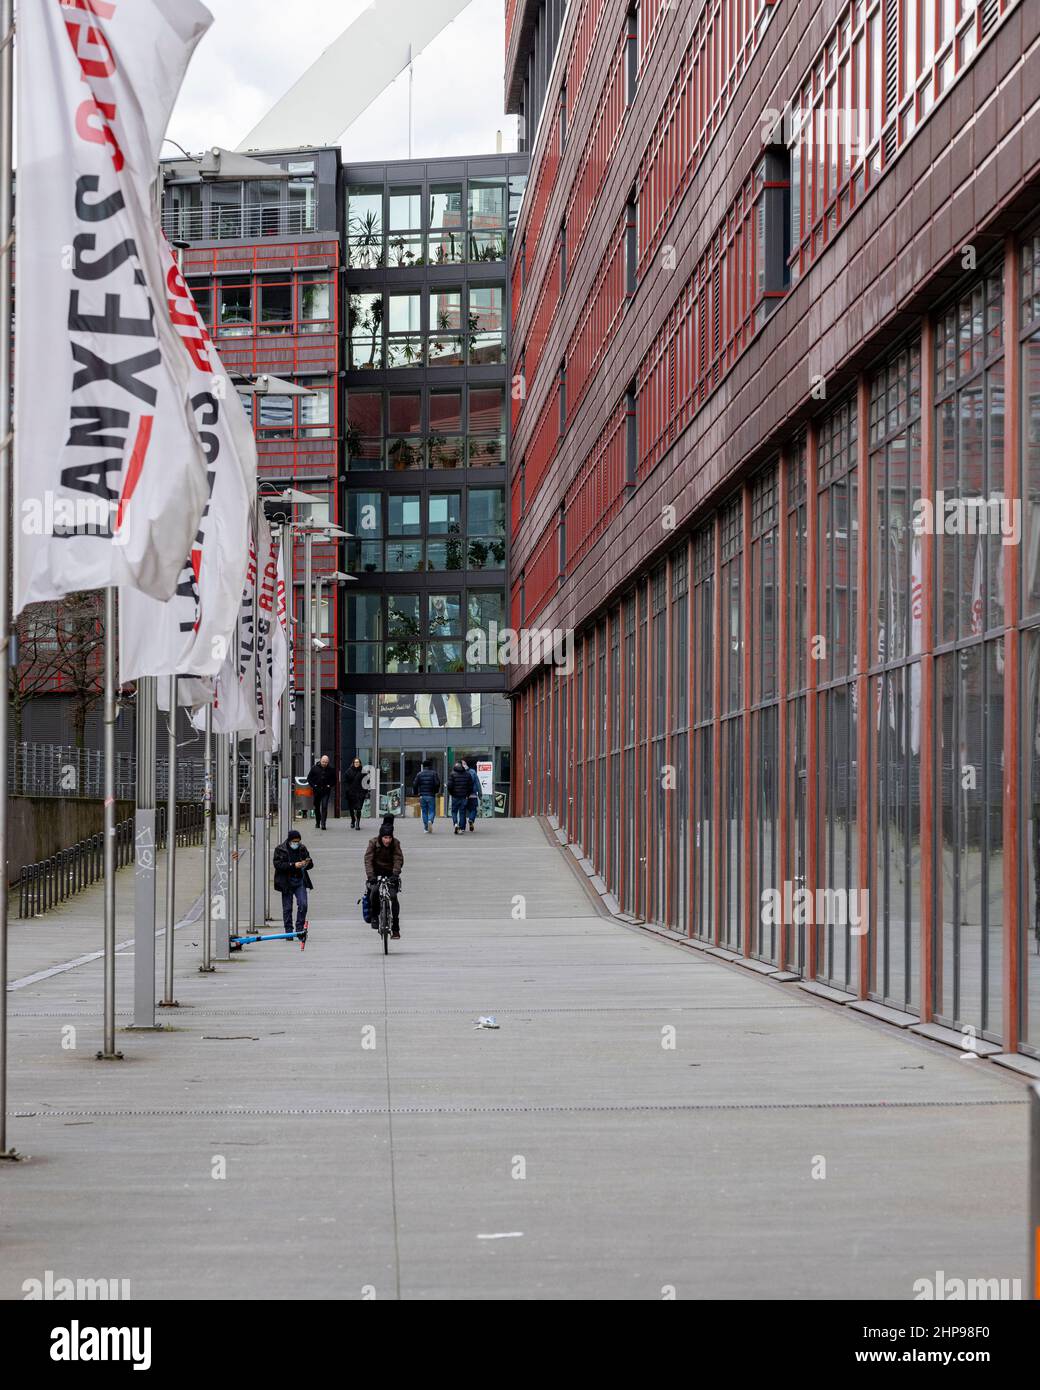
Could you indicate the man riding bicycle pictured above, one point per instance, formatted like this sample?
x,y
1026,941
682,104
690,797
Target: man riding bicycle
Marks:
x,y
384,858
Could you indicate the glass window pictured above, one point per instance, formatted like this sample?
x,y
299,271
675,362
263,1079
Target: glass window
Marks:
x,y
316,409
485,613
404,648
445,615
275,301
276,416
364,439
405,442
365,226
404,557
202,293
225,200
485,324
487,220
446,444
446,240
364,617
404,336
403,514
517,187
445,516
365,514
404,242
301,196
235,299
486,511
315,302
446,332
365,329
487,443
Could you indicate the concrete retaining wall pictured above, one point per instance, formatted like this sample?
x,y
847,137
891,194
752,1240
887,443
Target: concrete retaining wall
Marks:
x,y
39,826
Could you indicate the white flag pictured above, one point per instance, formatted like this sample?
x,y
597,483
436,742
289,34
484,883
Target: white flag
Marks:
x,y
191,633
110,482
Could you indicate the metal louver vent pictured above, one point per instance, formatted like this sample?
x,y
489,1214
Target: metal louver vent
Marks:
x,y
990,14
891,56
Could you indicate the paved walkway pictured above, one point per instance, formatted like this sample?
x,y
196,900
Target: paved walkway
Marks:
x,y
375,1143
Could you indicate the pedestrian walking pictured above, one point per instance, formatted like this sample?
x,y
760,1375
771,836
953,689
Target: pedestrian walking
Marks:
x,y
426,786
291,879
354,790
459,788
476,792
322,779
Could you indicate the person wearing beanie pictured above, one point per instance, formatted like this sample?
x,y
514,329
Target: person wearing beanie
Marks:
x,y
459,788
384,858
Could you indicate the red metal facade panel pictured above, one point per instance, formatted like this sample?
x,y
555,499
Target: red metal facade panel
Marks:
x,y
595,496
594,330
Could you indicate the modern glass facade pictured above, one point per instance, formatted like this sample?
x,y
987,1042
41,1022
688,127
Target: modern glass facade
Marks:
x,y
425,458
790,515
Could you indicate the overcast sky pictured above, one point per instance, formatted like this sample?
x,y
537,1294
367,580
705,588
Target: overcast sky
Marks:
x,y
256,49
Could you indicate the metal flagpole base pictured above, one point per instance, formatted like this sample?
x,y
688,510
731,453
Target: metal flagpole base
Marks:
x,y
168,1004
11,1156
109,1056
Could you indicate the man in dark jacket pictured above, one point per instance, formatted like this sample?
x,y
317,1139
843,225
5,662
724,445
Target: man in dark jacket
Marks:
x,y
291,879
426,786
459,787
322,779
384,858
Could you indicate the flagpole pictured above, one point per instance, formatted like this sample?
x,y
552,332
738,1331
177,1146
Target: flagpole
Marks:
x,y
236,814
6,456
145,849
109,1053
222,951
207,846
168,1001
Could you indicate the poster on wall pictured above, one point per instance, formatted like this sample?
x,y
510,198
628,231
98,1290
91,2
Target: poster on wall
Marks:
x,y
486,773
425,711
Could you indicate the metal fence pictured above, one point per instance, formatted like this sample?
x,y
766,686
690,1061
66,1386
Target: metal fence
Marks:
x,y
51,881
237,223
48,769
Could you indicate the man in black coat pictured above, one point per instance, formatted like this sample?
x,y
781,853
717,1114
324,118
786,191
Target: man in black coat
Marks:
x,y
291,879
322,779
426,786
459,788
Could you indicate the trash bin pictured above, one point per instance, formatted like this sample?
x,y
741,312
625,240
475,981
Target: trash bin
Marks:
x,y
303,796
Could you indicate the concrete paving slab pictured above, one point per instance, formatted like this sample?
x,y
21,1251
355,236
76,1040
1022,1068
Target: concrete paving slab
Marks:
x,y
322,1123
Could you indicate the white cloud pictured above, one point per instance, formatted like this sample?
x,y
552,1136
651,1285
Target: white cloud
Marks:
x,y
255,51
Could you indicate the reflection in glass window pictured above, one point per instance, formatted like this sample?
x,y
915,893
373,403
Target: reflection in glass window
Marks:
x,y
364,617
316,409
404,338
365,226
446,333
487,444
315,302
365,330
486,508
404,242
485,324
445,513
447,231
276,416
364,439
404,517
446,445
403,633
487,219
445,615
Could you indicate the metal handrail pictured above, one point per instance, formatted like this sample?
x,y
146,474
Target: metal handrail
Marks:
x,y
44,885
237,223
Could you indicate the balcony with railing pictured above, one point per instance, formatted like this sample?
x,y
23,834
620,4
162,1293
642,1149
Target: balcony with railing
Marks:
x,y
237,223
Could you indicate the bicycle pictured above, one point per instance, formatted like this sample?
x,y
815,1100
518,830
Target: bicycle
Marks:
x,y
386,911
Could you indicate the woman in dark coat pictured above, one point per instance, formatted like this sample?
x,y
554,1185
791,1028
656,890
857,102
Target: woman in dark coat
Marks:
x,y
355,791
